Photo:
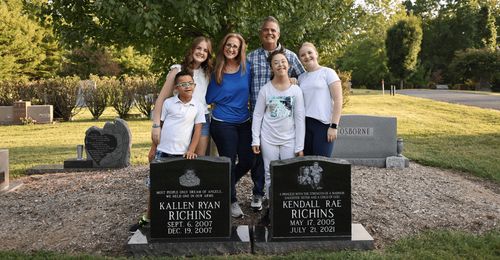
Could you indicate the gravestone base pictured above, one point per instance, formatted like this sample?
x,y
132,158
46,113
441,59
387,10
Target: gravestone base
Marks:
x,y
13,185
58,168
399,162
371,162
360,240
377,162
75,163
141,244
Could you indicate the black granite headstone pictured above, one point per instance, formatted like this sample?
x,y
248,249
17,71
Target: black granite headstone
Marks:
x,y
310,199
190,198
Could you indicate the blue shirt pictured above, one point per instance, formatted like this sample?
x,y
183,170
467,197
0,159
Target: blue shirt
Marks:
x,y
261,70
230,97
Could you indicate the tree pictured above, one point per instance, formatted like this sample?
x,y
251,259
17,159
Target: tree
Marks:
x,y
402,47
365,56
89,60
477,64
160,27
487,31
20,40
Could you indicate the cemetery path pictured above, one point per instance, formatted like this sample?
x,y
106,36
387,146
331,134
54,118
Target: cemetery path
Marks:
x,y
90,212
468,98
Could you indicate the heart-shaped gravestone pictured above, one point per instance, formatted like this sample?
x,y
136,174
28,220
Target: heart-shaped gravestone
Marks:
x,y
99,145
109,147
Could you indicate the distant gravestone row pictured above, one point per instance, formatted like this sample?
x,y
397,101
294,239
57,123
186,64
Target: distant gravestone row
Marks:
x,y
22,110
190,209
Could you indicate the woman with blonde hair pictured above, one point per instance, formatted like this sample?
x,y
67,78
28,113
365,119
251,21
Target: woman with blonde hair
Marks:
x,y
322,91
230,127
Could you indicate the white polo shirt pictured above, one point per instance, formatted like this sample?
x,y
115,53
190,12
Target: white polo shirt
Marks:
x,y
317,98
178,122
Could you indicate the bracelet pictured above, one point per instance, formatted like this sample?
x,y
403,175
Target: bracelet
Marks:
x,y
156,126
333,125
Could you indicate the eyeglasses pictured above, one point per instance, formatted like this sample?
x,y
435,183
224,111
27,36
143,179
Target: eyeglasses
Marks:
x,y
232,46
185,84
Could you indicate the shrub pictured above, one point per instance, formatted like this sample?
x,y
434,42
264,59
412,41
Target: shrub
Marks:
x,y
122,97
146,90
495,85
8,93
96,93
62,93
29,91
345,77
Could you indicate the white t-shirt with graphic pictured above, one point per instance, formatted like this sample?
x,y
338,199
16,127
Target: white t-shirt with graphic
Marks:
x,y
278,117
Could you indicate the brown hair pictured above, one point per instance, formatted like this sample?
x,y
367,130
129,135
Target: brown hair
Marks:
x,y
274,53
220,60
207,65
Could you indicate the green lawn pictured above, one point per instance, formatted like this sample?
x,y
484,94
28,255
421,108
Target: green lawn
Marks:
x,y
435,133
429,245
440,134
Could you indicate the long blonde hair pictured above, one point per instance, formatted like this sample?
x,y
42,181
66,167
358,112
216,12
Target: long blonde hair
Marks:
x,y
220,61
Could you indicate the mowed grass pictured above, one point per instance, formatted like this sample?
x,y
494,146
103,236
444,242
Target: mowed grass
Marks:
x,y
440,134
41,144
428,245
435,133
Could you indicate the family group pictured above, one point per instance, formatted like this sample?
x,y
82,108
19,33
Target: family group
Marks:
x,y
264,106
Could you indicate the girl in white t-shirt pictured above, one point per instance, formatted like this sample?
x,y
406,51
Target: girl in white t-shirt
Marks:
x,y
323,102
198,61
278,119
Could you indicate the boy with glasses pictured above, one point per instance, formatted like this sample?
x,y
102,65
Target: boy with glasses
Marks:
x,y
179,116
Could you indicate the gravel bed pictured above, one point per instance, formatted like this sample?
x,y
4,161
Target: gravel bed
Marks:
x,y
90,212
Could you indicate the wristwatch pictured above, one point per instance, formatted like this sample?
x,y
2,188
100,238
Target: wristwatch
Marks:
x,y
156,125
333,125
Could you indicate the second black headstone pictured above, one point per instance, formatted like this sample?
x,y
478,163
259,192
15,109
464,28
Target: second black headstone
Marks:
x,y
311,198
310,208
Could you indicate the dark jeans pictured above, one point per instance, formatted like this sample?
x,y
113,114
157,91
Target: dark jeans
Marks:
x,y
234,140
258,175
316,140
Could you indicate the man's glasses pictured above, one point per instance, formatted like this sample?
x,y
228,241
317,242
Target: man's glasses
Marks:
x,y
185,84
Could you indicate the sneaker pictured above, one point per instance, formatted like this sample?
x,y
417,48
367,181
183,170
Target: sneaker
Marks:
x,y
236,211
142,222
256,203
